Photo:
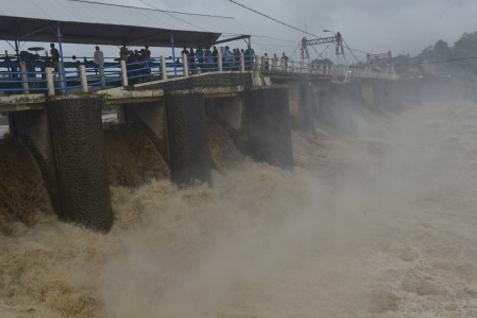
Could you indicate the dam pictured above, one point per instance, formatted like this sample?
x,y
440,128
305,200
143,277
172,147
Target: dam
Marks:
x,y
57,112
170,186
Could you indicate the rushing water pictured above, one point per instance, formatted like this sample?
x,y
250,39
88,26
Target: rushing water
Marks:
x,y
382,224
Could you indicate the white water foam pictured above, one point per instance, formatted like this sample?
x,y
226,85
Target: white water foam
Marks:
x,y
378,225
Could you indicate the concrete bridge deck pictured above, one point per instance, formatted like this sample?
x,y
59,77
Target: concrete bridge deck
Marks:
x,y
121,83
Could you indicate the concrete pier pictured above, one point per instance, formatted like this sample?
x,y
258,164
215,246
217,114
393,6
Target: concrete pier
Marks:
x,y
188,143
268,126
78,147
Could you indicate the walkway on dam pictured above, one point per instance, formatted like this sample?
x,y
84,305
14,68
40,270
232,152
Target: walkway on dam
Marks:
x,y
20,87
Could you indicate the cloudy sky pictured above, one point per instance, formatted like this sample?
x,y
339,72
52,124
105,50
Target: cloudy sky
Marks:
x,y
371,25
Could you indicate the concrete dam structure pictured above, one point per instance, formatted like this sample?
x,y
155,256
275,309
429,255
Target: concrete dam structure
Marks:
x,y
66,137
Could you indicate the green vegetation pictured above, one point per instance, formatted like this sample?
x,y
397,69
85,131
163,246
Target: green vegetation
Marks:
x,y
441,60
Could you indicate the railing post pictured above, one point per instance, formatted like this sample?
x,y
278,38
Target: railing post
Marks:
x,y
185,64
163,68
242,62
24,76
219,61
102,75
50,81
124,73
84,78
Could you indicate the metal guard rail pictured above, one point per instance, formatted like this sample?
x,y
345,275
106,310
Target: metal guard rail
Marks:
x,y
77,77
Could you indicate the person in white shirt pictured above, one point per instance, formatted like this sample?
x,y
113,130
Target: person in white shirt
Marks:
x,y
99,62
98,57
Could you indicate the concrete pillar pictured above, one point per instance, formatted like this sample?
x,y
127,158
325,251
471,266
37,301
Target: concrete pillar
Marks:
x,y
185,64
188,143
220,63
84,78
102,74
163,68
268,126
50,81
24,75
78,147
242,62
306,119
124,73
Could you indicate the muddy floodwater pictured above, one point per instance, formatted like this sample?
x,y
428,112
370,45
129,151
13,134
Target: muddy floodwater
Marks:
x,y
380,224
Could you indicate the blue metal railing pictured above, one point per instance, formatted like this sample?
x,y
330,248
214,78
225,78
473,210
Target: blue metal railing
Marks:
x,y
33,77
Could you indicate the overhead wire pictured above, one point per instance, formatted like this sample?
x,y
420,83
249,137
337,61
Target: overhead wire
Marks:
x,y
272,18
151,9
173,16
294,52
349,49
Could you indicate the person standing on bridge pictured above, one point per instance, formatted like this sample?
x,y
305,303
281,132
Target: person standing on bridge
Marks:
x,y
228,59
98,59
199,53
249,57
215,59
147,53
284,62
275,62
265,62
124,53
208,60
55,57
192,64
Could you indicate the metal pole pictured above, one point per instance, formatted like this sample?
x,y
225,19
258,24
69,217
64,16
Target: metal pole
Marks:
x,y
62,59
173,53
17,49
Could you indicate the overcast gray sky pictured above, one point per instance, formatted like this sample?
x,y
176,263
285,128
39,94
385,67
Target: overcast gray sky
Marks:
x,y
374,25
371,25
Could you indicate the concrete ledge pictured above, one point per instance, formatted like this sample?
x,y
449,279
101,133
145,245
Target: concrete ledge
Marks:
x,y
201,81
22,102
124,96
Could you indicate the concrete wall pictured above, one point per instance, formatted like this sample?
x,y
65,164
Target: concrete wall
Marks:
x,y
154,117
230,114
33,129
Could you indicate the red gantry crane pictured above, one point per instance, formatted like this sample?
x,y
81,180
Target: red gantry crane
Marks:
x,y
336,39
